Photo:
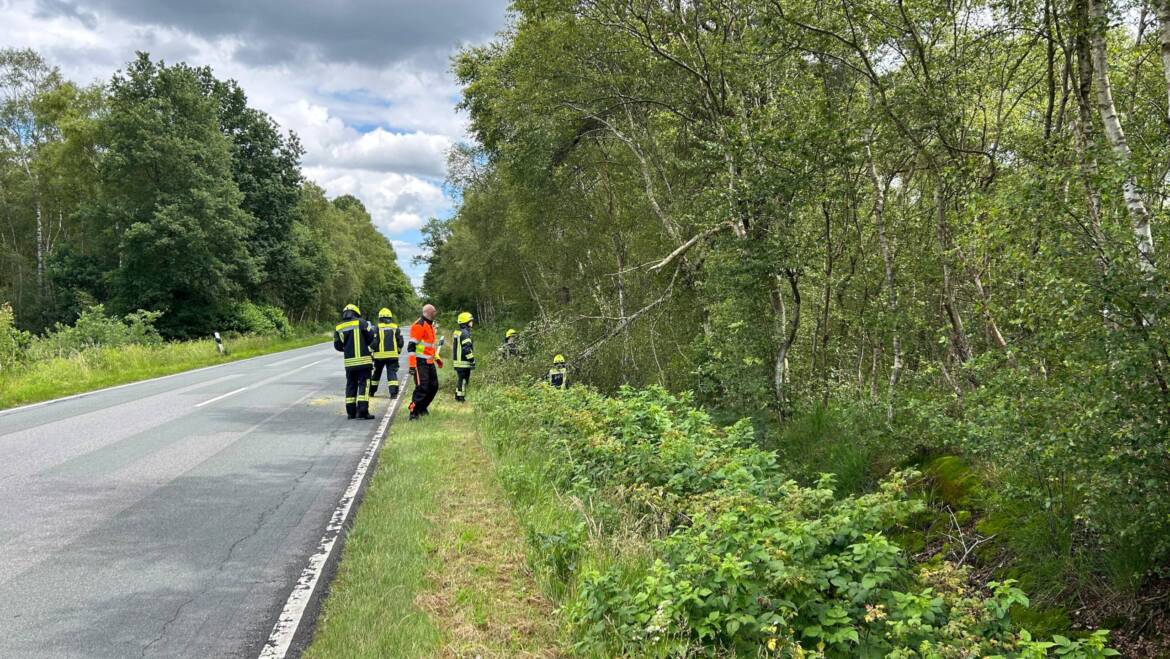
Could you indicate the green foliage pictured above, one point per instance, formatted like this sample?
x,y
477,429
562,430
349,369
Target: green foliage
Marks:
x,y
95,329
165,190
712,551
13,342
250,318
881,231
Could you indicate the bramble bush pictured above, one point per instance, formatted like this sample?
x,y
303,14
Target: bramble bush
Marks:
x,y
671,536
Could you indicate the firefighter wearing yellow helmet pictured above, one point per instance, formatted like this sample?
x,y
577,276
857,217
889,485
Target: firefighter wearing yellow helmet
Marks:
x,y
462,355
387,347
353,337
558,375
511,346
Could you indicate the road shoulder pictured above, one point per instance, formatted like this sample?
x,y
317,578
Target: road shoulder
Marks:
x,y
435,563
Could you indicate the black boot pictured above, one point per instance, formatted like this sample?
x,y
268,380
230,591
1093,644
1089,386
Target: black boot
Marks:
x,y
351,410
393,392
373,390
363,410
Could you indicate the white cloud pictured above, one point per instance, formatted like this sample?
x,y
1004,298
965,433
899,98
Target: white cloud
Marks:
x,y
376,115
407,251
330,143
397,202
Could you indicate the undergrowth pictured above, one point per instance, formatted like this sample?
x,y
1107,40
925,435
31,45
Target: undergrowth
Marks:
x,y
664,534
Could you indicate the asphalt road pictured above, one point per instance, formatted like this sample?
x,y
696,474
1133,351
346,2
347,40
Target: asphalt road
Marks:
x,y
172,517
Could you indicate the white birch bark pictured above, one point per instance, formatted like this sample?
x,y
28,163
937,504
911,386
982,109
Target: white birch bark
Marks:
x,y
1138,212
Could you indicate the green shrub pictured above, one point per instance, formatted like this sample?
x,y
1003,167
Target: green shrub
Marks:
x,y
251,318
13,342
734,557
94,329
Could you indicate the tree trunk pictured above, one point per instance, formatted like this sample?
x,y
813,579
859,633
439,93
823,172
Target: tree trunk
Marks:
x,y
879,215
1083,136
788,328
950,305
1138,212
40,248
1164,43
826,300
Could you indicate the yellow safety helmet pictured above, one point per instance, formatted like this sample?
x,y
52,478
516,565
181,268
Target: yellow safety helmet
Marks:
x,y
353,308
559,359
464,317
385,313
509,333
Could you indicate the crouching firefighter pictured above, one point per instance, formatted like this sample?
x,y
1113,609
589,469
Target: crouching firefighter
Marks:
x,y
463,356
386,347
510,347
353,338
558,376
422,355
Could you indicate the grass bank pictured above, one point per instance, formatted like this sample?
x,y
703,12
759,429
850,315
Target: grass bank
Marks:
x,y
434,565
96,368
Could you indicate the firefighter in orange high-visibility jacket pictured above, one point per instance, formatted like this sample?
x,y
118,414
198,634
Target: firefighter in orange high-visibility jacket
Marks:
x,y
353,338
423,357
462,356
387,344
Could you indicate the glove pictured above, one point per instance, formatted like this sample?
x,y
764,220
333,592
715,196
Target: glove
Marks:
x,y
439,362
412,371
472,362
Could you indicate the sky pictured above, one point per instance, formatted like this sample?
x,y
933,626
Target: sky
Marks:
x,y
364,83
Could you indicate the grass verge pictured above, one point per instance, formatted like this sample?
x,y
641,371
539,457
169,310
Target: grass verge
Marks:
x,y
434,565
105,367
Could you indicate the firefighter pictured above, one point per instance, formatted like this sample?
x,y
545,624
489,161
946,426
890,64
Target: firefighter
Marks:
x,y
353,338
510,347
462,356
386,346
558,377
423,356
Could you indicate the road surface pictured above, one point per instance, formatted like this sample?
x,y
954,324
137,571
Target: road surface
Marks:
x,y
171,517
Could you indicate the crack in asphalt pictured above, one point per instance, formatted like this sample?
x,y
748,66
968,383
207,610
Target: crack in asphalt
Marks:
x,y
222,564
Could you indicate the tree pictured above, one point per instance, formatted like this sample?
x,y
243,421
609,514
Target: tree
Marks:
x,y
169,209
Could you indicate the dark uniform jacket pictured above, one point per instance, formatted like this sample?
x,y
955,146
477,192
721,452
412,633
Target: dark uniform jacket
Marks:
x,y
462,350
354,338
388,342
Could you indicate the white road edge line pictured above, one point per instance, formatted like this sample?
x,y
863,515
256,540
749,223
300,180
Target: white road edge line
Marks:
x,y
285,629
138,382
221,397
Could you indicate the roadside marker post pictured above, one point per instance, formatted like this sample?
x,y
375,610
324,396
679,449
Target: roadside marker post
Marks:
x,y
219,343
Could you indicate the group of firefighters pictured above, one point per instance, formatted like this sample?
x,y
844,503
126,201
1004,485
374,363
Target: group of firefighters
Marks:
x,y
370,348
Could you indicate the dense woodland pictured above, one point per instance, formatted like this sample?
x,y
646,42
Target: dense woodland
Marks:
x,y
888,232
163,190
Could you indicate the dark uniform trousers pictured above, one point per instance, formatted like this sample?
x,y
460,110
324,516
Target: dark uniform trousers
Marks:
x,y
391,366
426,385
463,376
356,383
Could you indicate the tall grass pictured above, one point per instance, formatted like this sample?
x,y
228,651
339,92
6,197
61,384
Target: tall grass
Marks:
x,y
99,367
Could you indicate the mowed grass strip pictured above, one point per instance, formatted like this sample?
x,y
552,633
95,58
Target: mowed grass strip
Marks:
x,y
435,562
98,368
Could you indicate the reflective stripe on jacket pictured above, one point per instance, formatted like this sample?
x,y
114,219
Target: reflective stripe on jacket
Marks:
x,y
462,351
422,342
389,341
352,339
